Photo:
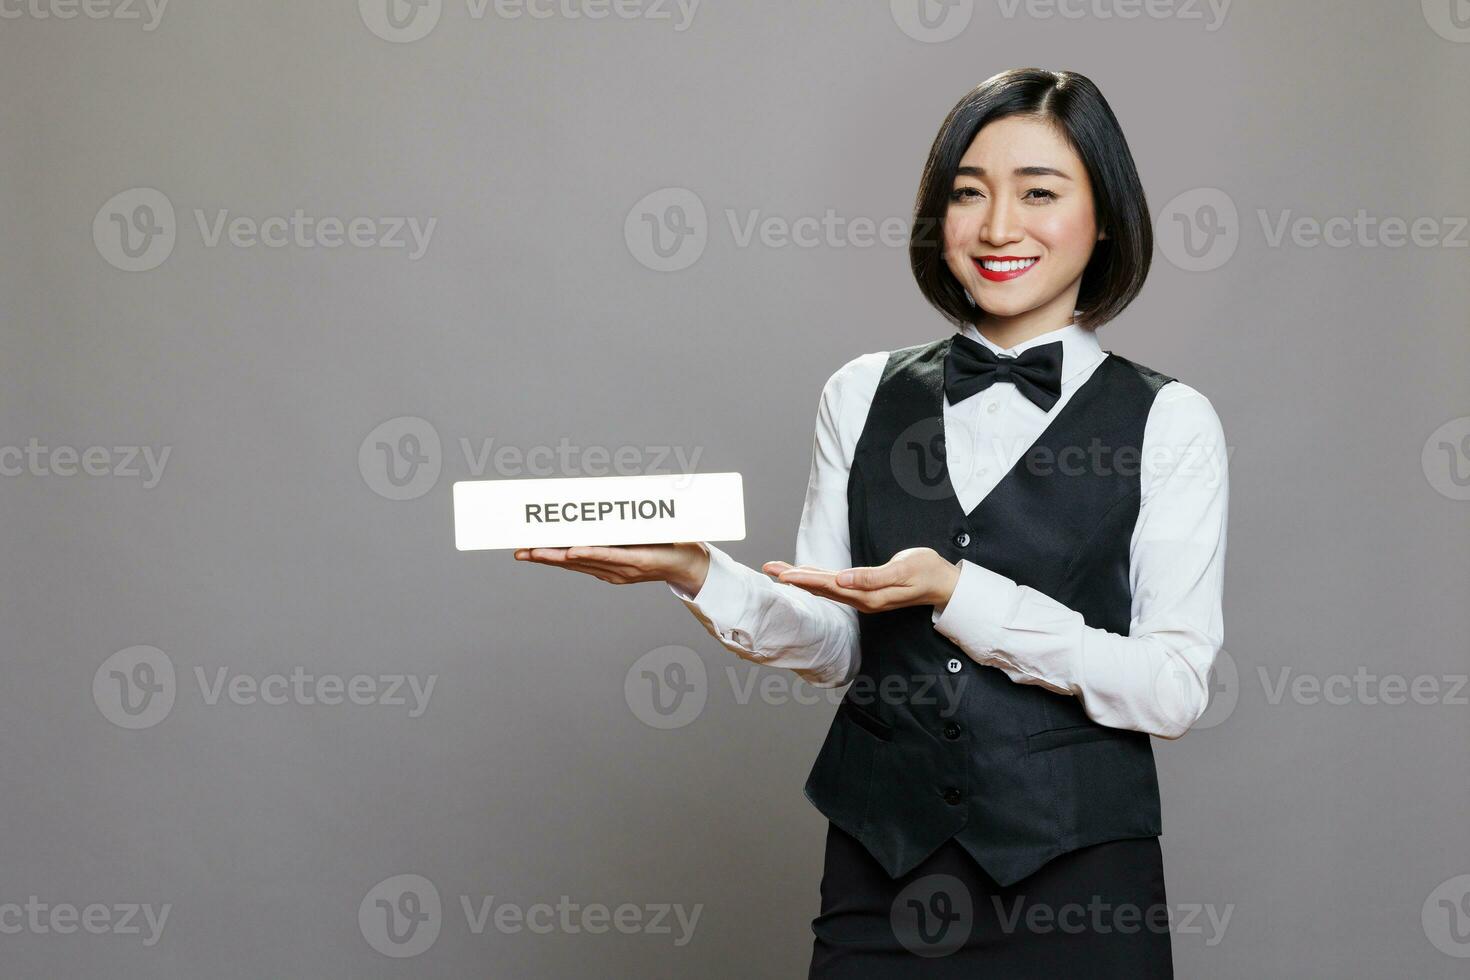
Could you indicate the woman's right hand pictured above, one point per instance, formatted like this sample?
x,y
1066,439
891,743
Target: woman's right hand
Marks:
x,y
683,565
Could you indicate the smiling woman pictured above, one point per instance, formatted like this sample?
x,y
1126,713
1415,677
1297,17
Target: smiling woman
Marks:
x,y
1075,608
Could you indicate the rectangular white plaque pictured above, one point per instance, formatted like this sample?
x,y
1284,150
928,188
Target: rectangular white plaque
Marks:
x,y
558,513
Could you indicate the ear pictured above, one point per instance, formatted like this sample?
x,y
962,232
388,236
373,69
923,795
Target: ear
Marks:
x,y
1102,234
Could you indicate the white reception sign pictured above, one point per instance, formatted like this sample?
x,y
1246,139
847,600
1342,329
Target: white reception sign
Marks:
x,y
558,513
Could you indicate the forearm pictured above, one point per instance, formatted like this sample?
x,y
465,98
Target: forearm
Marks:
x,y
773,624
1154,681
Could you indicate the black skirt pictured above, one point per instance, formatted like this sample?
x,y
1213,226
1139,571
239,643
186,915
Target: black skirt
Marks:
x,y
1099,911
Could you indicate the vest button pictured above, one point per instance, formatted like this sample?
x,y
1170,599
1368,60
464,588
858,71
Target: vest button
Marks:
x,y
951,731
962,539
952,796
954,665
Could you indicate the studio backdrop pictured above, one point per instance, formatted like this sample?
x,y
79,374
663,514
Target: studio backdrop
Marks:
x,y
274,276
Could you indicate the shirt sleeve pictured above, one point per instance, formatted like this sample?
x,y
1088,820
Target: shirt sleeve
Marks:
x,y
779,625
1155,679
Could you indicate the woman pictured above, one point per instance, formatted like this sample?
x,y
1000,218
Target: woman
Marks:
x,y
1013,548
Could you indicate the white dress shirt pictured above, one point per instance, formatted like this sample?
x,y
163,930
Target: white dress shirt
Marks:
x,y
1155,679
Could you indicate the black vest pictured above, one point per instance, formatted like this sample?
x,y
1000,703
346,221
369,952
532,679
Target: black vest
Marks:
x,y
927,744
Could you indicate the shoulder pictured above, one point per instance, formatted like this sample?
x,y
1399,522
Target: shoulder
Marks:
x,y
1183,410
1183,440
1176,406
854,383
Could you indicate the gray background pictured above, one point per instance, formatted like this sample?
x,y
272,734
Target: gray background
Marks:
x,y
1324,829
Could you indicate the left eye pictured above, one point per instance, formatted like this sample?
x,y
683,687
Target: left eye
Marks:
x,y
1046,194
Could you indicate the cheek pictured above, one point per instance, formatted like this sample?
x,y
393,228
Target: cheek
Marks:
x,y
959,231
1071,234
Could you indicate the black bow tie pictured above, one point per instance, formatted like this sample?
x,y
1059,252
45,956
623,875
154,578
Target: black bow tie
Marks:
x,y
972,367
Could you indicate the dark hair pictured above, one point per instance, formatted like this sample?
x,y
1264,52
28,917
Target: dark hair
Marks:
x,y
1119,264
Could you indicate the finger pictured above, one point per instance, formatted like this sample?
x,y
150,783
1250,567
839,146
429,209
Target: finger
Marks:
x,y
892,597
869,578
606,573
599,553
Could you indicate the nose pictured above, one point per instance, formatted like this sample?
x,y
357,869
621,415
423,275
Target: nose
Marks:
x,y
1002,224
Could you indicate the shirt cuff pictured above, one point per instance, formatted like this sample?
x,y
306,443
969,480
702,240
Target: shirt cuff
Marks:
x,y
722,600
978,611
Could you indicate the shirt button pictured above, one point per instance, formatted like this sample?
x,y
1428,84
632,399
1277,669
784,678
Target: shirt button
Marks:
x,y
992,408
962,539
951,731
954,665
952,796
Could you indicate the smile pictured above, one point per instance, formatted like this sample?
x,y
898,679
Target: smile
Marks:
x,y
1001,268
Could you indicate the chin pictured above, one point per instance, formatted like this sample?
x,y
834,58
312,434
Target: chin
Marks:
x,y
1004,306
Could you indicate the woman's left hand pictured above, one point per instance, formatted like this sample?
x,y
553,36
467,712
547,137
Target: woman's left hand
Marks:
x,y
913,577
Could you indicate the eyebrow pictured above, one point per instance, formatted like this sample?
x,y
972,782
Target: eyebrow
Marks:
x,y
1019,172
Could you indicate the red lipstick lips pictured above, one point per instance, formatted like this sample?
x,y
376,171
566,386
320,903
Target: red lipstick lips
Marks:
x,y
1018,266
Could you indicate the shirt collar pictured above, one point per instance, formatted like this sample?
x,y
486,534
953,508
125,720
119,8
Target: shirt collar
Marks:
x,y
1080,347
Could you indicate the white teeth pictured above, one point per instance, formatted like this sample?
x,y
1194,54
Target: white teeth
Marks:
x,y
991,266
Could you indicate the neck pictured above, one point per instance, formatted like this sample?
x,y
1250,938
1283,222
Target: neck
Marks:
x,y
1008,331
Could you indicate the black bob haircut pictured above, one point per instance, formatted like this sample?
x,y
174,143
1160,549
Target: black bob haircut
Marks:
x,y
1119,264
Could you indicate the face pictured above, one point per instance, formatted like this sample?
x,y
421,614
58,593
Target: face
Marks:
x,y
1020,225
